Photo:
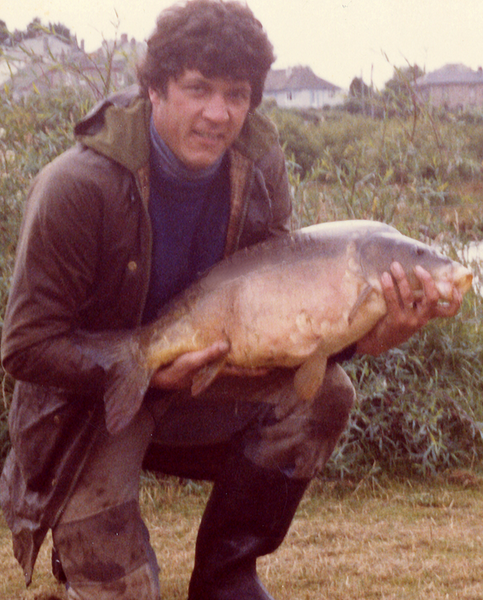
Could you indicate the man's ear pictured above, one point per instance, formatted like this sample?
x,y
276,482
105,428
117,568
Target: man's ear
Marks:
x,y
153,95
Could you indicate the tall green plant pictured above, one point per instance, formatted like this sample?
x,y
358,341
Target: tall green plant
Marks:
x,y
34,130
419,410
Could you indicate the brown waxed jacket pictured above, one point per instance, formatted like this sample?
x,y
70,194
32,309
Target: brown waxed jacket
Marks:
x,y
83,262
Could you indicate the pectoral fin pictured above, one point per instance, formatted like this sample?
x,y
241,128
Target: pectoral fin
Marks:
x,y
360,301
310,375
205,376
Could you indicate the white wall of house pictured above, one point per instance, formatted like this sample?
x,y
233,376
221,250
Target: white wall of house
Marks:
x,y
454,96
454,86
306,98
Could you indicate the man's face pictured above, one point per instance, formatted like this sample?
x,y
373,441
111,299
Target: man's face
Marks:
x,y
200,117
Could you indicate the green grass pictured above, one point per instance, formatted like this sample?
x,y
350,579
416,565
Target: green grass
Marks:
x,y
397,540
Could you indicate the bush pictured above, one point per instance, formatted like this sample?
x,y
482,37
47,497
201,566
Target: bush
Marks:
x,y
399,171
33,131
474,140
419,410
306,136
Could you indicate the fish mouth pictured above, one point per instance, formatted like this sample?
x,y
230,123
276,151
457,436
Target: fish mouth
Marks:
x,y
460,277
463,279
466,285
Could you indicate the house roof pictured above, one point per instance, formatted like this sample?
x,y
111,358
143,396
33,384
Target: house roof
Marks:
x,y
451,74
296,78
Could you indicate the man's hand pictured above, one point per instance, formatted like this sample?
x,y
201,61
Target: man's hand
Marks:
x,y
407,311
179,374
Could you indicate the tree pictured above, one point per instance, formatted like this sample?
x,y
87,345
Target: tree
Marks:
x,y
34,28
4,33
61,31
359,89
360,98
398,92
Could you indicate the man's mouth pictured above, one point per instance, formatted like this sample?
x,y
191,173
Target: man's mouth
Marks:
x,y
210,136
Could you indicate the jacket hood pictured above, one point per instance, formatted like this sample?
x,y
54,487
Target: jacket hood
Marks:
x,y
118,127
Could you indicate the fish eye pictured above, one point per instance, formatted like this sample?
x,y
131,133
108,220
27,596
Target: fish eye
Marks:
x,y
420,251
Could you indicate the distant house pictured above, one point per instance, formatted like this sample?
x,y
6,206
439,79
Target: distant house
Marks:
x,y
125,55
38,63
454,87
41,49
44,62
299,87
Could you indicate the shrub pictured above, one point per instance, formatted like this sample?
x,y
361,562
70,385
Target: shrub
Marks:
x,y
398,171
33,131
419,410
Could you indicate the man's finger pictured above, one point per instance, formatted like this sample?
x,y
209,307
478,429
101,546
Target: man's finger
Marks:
x,y
180,372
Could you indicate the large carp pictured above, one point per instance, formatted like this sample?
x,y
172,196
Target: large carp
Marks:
x,y
287,302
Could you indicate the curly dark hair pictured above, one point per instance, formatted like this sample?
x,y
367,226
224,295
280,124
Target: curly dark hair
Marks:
x,y
216,37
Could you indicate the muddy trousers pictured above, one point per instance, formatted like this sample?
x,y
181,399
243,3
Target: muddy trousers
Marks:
x,y
270,455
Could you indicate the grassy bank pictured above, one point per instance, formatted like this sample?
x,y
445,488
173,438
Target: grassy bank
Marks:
x,y
403,541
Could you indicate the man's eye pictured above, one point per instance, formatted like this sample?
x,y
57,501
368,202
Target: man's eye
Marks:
x,y
240,96
197,90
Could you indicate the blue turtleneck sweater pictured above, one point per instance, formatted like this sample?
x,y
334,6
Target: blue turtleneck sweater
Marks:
x,y
189,217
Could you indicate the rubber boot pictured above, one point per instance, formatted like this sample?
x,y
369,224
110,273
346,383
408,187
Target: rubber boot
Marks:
x,y
248,515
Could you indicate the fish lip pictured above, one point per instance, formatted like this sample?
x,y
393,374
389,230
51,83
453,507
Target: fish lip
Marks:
x,y
458,277
463,278
466,283
445,289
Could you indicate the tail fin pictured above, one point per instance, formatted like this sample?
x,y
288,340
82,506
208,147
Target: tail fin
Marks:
x,y
126,381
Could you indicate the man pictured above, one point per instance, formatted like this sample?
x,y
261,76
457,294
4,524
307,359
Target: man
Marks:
x,y
164,182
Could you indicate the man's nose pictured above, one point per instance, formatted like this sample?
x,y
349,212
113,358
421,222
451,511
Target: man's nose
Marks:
x,y
216,109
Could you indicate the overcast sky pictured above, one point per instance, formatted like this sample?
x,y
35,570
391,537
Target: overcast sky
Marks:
x,y
338,39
